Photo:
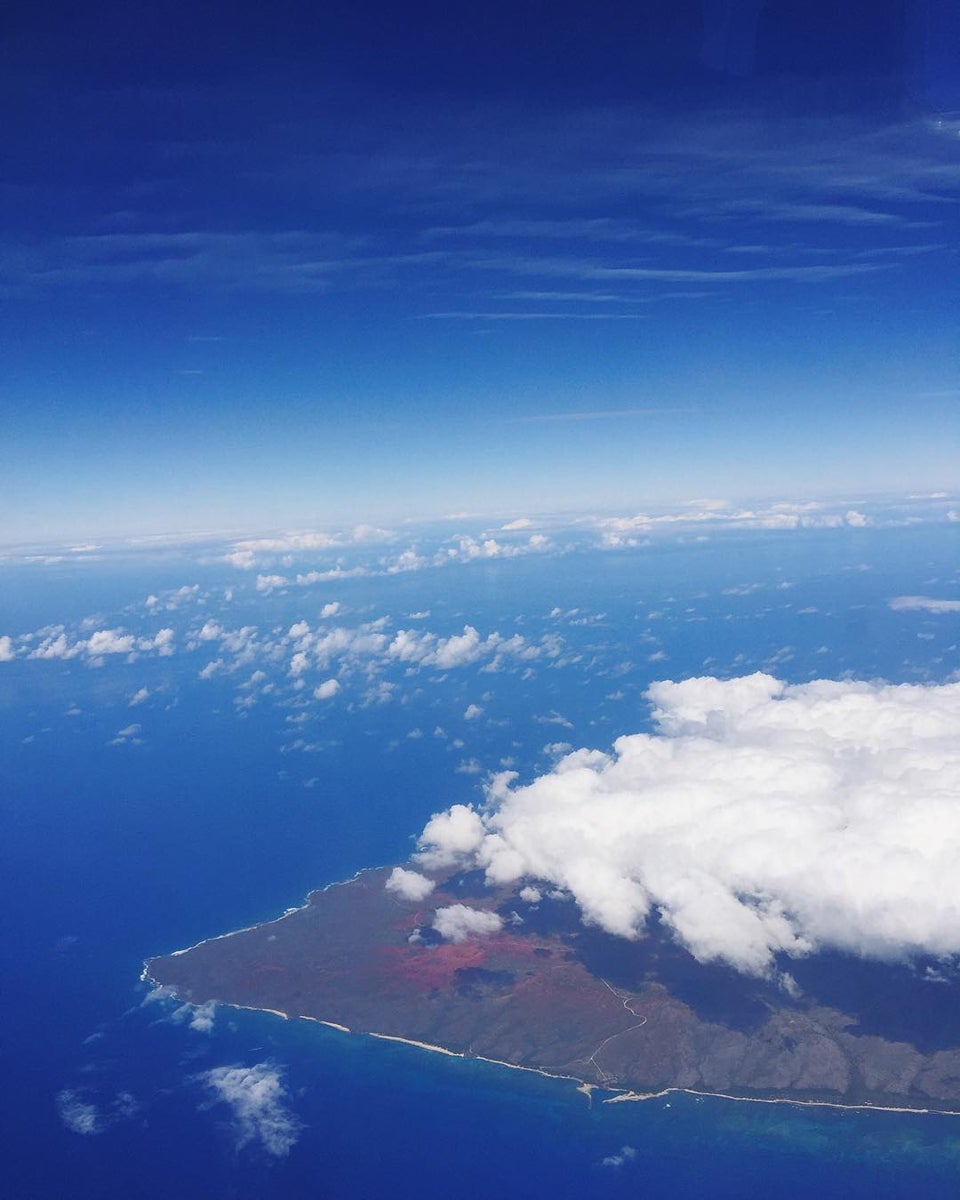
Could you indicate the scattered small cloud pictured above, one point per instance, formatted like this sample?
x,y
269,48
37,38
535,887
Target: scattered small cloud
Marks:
x,y
82,1116
174,598
924,604
624,1155
271,583
198,1017
259,1102
110,641
409,885
128,736
78,1115
554,718
457,922
450,835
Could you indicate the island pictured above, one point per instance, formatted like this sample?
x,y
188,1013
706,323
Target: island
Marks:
x,y
514,976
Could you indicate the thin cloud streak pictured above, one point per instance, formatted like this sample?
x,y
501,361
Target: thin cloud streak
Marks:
x,y
611,414
530,316
579,269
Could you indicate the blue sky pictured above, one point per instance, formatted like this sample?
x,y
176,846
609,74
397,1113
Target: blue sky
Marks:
x,y
264,269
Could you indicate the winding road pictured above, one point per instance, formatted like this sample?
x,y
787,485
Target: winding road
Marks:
x,y
604,1077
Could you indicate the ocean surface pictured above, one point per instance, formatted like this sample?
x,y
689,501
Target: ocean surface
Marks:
x,y
208,817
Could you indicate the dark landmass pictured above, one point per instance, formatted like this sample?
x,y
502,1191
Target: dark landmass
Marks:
x,y
549,994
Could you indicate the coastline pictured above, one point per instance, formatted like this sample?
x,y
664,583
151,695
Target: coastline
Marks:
x,y
620,1095
219,937
586,1088
865,1106
582,1085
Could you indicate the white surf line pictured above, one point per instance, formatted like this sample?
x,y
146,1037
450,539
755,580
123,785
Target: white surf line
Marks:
x,y
866,1106
624,1095
392,1037
145,976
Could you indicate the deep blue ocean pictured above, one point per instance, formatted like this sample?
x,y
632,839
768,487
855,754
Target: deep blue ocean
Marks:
x,y
209,818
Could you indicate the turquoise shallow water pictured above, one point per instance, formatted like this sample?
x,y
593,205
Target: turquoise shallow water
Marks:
x,y
111,853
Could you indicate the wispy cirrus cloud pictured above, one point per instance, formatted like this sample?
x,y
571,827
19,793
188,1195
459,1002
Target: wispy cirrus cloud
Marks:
x,y
574,268
807,213
87,1117
260,1104
290,261
624,1155
590,229
690,175
609,414
530,316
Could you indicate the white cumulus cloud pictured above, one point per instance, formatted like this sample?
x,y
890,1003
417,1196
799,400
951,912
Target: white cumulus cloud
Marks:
x,y
409,885
110,641
55,645
450,835
268,583
757,819
162,642
457,922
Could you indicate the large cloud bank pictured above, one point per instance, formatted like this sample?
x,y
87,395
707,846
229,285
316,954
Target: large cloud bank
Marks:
x,y
758,819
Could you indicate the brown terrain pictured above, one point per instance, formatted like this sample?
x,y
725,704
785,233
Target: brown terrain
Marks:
x,y
549,994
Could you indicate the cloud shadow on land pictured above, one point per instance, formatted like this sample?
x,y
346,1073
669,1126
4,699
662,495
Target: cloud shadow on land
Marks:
x,y
896,1001
715,991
